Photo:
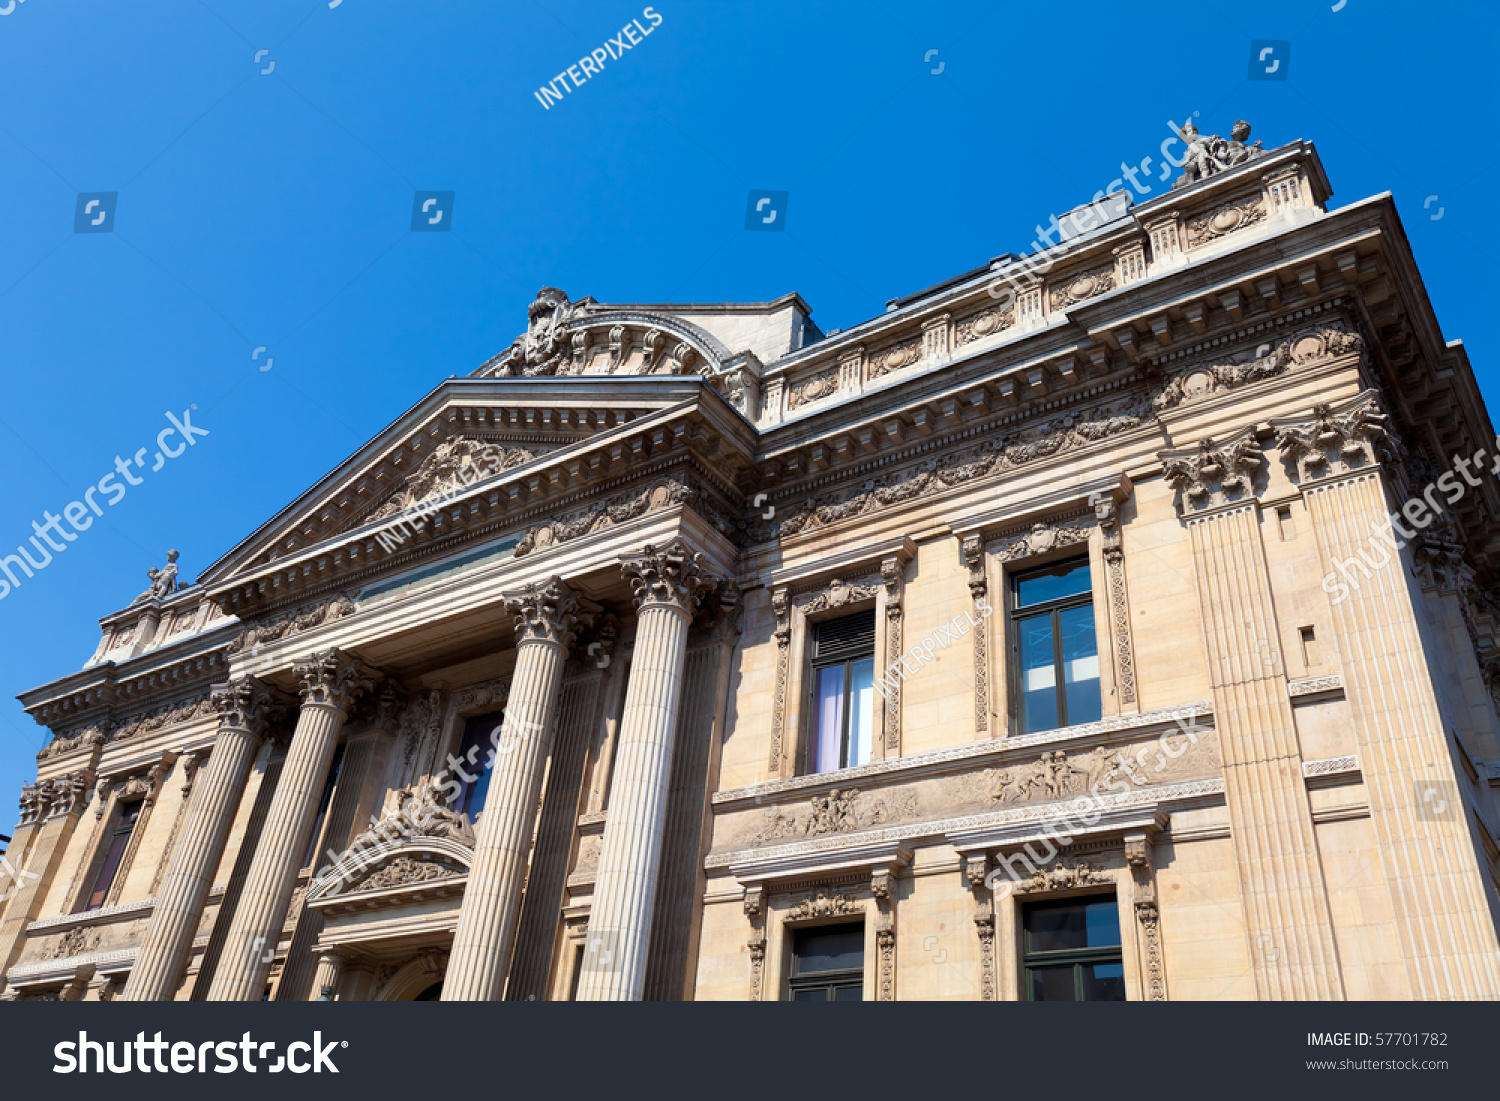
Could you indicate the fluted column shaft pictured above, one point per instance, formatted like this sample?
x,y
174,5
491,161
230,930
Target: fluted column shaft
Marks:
x,y
485,939
1427,851
330,970
667,588
329,683
245,707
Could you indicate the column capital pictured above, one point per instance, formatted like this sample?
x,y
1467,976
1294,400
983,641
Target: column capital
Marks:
x,y
1338,438
333,679
550,612
66,794
247,703
672,576
1213,473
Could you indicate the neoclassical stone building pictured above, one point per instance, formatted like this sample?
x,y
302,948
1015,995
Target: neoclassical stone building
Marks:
x,y
1045,637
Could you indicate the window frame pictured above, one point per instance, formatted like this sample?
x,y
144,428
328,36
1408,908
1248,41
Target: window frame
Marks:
x,y
117,833
827,981
1053,608
813,667
1077,958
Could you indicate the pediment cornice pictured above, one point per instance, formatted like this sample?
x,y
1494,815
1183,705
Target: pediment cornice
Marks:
x,y
603,433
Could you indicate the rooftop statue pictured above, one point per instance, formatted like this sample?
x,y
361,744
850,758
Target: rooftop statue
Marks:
x,y
1208,156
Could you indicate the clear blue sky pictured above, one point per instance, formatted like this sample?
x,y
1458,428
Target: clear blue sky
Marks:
x,y
275,210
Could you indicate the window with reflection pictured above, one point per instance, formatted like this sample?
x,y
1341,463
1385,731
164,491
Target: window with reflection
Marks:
x,y
843,693
114,852
1072,950
828,964
1056,648
473,752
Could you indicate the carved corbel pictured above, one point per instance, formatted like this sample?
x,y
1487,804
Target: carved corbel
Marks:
x,y
883,888
755,910
1143,897
976,871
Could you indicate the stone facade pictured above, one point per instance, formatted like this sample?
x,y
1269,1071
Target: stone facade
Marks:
x,y
618,542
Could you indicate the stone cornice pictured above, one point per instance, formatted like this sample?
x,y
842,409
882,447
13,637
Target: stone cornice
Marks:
x,y
109,693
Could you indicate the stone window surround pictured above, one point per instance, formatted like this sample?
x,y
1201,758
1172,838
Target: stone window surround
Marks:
x,y
879,567
998,544
1119,850
852,886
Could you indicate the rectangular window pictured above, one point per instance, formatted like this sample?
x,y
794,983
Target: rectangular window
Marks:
x,y
473,753
323,804
841,727
828,964
1072,950
114,852
1057,650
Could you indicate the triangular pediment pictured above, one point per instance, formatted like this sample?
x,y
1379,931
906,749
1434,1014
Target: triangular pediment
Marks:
x,y
470,454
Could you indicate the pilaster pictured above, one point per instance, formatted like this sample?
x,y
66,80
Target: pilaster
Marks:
x,y
1292,948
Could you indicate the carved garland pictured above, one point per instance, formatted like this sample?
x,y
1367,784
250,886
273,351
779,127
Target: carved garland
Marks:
x,y
973,552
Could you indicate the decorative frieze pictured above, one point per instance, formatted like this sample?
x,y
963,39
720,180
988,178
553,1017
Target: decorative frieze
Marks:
x,y
985,323
1064,877
1081,287
1232,216
1043,538
894,357
812,388
839,812
997,455
604,514
302,618
821,903
454,465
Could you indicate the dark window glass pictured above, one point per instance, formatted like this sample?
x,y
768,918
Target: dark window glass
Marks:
x,y
828,964
323,804
1072,950
843,694
474,752
114,852
1056,648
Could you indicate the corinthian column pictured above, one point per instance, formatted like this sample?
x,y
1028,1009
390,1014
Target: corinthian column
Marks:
x,y
546,615
1292,951
246,708
667,584
1419,816
330,683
